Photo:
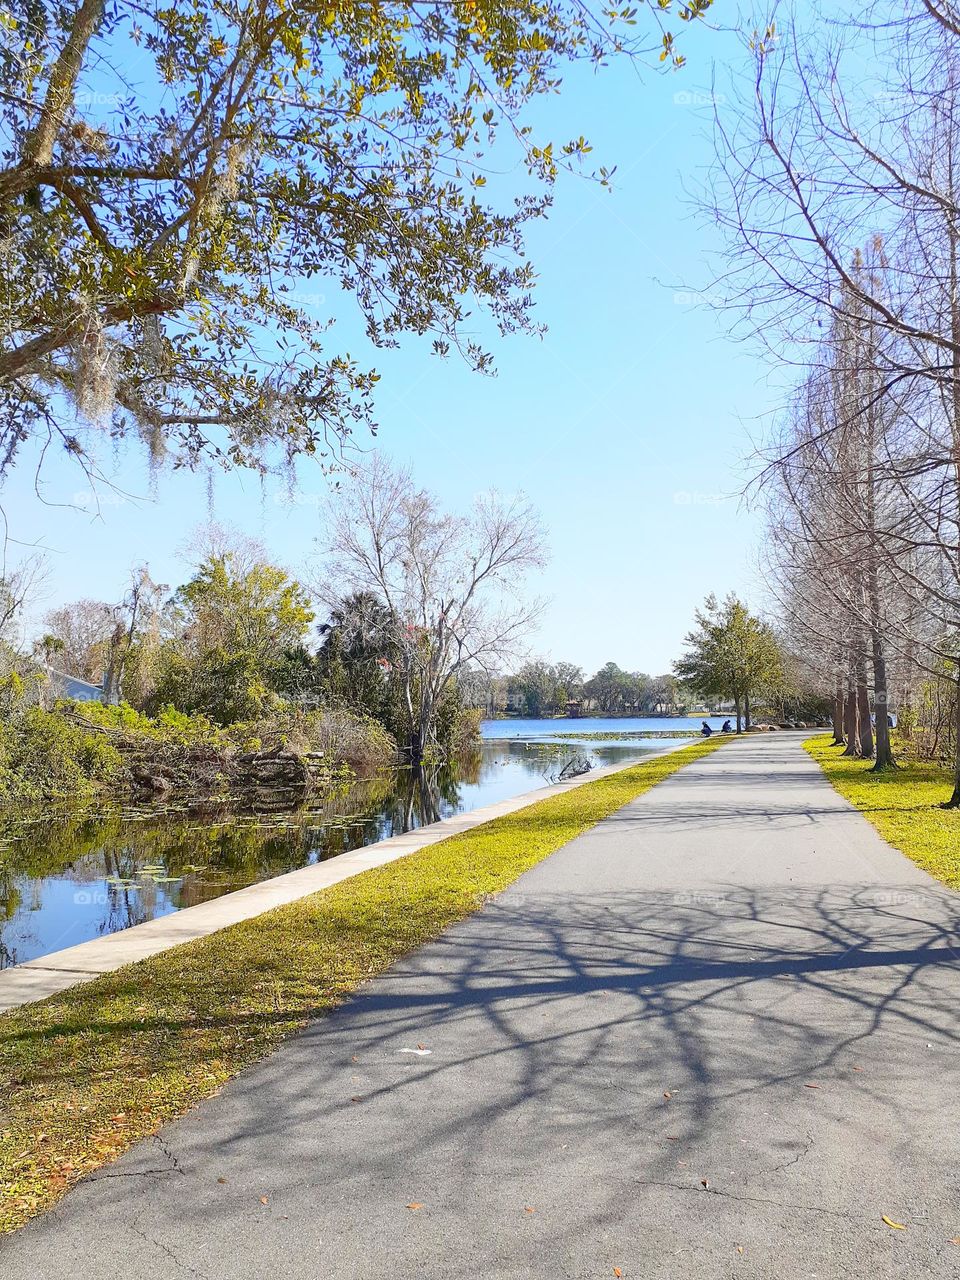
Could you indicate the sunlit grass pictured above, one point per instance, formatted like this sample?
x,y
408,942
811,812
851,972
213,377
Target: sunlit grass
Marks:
x,y
87,1073
903,804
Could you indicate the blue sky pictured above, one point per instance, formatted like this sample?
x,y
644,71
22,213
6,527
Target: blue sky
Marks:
x,y
627,425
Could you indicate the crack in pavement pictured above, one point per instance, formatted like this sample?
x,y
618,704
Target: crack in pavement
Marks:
x,y
162,1144
788,1164
173,1167
731,1195
158,1244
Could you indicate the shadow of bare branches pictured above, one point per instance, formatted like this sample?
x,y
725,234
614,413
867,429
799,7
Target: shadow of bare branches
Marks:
x,y
713,1023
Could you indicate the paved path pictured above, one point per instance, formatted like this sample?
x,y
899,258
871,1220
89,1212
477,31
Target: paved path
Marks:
x,y
645,1011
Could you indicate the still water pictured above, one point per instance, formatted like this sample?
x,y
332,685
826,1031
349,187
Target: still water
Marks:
x,y
620,729
73,874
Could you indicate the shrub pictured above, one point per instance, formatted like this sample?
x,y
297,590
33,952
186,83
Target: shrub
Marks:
x,y
79,747
343,736
168,725
466,729
44,755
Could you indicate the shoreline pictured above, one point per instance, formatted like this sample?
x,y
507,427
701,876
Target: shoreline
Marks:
x,y
57,971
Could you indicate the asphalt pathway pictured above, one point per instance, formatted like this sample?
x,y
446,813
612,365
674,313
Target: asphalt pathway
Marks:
x,y
716,1036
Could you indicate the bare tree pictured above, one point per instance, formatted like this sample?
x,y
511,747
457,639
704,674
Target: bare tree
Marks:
x,y
21,583
833,510
851,134
452,584
83,628
138,607
215,540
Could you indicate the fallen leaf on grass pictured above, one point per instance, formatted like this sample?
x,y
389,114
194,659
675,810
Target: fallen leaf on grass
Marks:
x,y
739,1248
954,1240
705,1183
221,1180
895,1226
264,1199
528,1208
667,1093
617,1271
414,1204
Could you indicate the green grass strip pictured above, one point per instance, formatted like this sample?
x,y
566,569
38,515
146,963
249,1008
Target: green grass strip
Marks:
x,y
87,1073
903,804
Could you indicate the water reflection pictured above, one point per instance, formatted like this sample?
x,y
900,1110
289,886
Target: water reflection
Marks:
x,y
69,876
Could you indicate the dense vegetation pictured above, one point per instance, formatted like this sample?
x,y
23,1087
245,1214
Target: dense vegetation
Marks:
x,y
81,748
210,688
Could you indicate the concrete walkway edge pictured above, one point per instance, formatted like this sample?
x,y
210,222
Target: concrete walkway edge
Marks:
x,y
48,975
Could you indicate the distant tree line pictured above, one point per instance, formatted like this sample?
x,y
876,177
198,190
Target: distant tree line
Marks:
x,y
541,688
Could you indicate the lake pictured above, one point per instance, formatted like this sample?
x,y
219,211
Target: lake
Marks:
x,y
71,874
623,729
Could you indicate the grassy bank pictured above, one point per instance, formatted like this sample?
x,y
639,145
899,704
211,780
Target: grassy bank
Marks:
x,y
87,1073
903,805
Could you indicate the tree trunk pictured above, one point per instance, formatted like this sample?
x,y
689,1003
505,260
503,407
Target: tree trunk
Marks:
x,y
954,233
746,711
838,738
954,801
881,700
40,142
863,707
851,719
736,703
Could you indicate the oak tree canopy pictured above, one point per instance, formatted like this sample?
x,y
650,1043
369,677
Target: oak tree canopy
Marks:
x,y
173,179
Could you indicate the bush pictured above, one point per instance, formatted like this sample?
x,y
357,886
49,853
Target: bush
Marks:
x,y
343,736
466,730
358,740
44,755
168,725
77,748
226,687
